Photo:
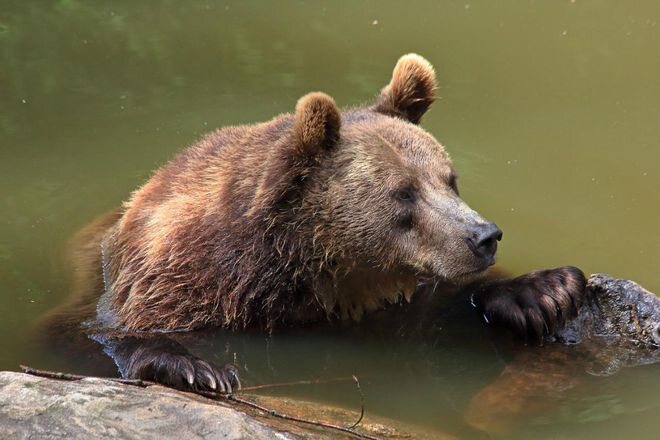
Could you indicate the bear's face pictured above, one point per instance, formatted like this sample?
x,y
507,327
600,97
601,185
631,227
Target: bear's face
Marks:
x,y
379,191
395,202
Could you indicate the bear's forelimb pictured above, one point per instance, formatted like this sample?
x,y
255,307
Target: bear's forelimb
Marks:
x,y
532,305
158,358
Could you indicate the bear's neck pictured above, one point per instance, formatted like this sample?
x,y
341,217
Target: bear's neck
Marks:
x,y
362,290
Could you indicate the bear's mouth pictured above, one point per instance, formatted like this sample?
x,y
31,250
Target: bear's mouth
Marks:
x,y
479,270
471,275
431,277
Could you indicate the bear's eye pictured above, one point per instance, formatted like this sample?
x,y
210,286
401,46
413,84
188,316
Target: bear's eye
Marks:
x,y
453,183
406,195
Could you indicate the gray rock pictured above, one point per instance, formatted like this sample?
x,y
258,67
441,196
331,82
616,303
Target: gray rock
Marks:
x,y
617,326
35,407
616,309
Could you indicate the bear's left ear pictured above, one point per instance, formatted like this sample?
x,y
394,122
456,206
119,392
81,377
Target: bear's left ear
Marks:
x,y
411,91
317,123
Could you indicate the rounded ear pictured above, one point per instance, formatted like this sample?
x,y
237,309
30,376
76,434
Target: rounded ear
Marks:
x,y
411,91
317,123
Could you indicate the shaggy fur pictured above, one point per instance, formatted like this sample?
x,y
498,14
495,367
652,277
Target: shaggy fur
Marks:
x,y
533,304
233,232
312,215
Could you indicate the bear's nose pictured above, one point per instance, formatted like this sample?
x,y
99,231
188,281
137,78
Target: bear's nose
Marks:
x,y
483,241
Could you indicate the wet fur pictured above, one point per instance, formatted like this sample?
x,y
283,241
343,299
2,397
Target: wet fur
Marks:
x,y
245,229
226,235
534,304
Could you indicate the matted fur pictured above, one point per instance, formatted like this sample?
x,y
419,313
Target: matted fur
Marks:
x,y
226,234
312,215
217,237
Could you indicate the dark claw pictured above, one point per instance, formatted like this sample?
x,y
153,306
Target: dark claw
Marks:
x,y
533,305
204,376
228,379
181,370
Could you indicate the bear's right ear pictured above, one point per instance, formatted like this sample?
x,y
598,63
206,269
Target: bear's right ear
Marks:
x,y
411,91
317,123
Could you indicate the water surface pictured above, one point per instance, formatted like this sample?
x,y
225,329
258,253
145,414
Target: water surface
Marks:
x,y
549,109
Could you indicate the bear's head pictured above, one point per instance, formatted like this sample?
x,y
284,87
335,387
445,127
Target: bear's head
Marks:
x,y
377,191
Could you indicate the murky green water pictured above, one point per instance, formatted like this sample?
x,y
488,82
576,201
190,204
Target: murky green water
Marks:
x,y
550,110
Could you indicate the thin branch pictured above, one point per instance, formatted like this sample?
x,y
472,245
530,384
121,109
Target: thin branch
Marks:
x,y
298,382
316,382
214,396
357,384
73,377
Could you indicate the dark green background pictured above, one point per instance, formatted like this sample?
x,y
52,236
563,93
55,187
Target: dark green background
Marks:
x,y
550,110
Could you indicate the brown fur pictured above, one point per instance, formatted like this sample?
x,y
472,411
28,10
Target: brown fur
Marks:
x,y
411,91
312,215
315,215
533,304
241,229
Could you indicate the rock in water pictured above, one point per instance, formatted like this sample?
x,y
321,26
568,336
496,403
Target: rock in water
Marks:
x,y
35,407
616,327
619,324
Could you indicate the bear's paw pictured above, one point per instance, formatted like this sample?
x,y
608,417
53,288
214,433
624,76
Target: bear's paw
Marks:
x,y
535,304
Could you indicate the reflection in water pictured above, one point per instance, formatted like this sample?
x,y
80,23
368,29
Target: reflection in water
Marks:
x,y
549,109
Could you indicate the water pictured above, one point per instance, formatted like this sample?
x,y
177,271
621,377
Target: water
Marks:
x,y
549,109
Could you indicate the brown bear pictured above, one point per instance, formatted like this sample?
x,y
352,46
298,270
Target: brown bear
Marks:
x,y
313,216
